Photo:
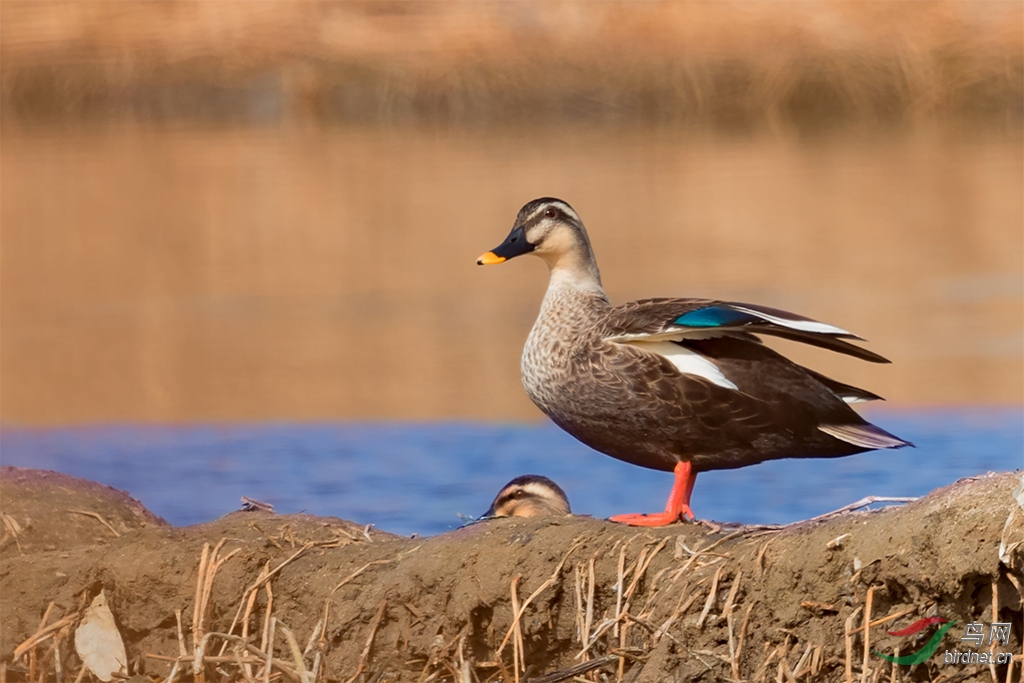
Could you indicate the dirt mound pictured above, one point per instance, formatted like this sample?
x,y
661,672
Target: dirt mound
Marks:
x,y
328,600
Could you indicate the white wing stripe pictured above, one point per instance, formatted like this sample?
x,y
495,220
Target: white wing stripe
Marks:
x,y
802,325
688,362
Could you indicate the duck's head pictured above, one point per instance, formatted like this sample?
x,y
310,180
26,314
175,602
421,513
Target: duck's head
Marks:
x,y
530,495
548,228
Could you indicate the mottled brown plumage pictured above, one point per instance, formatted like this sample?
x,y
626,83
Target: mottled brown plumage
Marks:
x,y
676,384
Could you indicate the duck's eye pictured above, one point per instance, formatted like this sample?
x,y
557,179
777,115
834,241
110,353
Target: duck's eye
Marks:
x,y
550,213
518,493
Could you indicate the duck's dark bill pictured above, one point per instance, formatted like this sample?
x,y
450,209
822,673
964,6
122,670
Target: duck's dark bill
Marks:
x,y
514,245
489,259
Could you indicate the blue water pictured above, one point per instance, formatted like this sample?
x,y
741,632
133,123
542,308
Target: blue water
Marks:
x,y
426,477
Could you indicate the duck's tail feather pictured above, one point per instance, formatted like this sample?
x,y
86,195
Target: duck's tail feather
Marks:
x,y
847,392
865,435
823,341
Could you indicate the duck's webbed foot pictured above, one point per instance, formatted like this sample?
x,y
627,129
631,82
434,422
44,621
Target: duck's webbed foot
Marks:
x,y
678,507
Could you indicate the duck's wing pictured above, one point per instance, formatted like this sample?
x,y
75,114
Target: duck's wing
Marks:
x,y
662,320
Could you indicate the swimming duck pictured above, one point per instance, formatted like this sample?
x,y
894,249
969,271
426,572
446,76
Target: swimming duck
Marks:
x,y
530,495
681,385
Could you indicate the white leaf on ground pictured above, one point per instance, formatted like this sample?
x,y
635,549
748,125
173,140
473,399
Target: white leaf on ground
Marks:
x,y
98,642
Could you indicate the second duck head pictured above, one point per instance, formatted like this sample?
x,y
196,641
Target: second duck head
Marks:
x,y
530,495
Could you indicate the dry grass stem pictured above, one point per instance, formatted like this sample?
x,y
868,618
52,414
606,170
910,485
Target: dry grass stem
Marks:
x,y
269,650
798,670
711,598
727,608
761,553
848,642
364,656
518,612
824,607
618,588
98,517
41,636
865,669
574,672
762,670
517,642
589,617
681,608
884,620
293,647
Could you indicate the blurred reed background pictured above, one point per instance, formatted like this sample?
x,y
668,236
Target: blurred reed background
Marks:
x,y
724,64
222,211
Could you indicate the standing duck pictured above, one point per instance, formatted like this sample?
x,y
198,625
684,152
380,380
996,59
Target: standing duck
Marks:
x,y
530,495
681,385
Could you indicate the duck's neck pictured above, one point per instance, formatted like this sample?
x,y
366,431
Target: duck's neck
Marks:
x,y
574,288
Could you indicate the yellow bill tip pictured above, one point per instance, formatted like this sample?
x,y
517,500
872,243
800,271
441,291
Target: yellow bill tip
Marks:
x,y
489,259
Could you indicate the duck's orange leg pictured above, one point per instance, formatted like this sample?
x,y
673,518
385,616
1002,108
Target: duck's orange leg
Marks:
x,y
678,507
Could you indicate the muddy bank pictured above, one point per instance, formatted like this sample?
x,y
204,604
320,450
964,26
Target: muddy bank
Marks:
x,y
328,600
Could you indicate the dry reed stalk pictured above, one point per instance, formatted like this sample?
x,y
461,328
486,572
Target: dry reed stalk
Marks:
x,y
269,650
711,598
97,516
518,613
574,672
802,662
762,670
883,620
577,573
618,588
515,630
743,632
262,657
680,609
641,570
364,656
784,671
249,604
653,592
734,665
824,607
848,640
727,608
366,566
463,663
589,618
995,618
268,629
11,530
293,646
58,673
204,558
41,636
182,649
865,669
264,577
216,659
1016,659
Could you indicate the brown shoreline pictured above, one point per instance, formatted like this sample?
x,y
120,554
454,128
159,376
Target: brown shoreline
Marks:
x,y
748,604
